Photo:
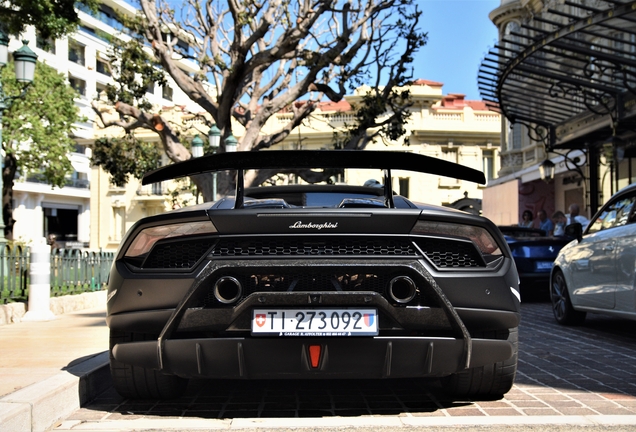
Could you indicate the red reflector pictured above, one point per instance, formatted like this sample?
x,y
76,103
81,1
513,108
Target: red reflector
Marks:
x,y
314,355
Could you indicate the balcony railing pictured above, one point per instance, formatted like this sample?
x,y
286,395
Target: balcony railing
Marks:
x,y
102,16
74,183
447,116
154,189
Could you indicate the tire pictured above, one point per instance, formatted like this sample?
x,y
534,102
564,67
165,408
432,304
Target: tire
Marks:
x,y
562,308
490,381
135,382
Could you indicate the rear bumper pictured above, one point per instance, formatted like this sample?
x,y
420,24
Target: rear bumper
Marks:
x,y
266,358
430,338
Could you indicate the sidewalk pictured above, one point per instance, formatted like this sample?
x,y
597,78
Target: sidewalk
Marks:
x,y
43,364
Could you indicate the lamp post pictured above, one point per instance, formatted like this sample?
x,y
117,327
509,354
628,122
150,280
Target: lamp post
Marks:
x,y
214,138
197,151
25,60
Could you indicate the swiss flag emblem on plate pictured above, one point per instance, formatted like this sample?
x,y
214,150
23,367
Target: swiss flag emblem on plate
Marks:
x,y
260,319
368,320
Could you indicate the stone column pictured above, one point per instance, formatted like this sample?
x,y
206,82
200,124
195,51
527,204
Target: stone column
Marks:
x,y
39,308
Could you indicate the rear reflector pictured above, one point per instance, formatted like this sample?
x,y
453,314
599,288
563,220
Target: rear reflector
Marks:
x,y
314,355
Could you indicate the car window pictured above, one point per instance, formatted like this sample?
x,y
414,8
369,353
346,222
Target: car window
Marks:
x,y
616,214
597,224
622,217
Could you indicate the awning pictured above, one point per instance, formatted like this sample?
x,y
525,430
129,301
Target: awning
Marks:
x,y
569,73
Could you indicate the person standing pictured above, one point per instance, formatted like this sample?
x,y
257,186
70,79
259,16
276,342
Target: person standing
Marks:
x,y
560,221
575,216
51,240
545,223
526,219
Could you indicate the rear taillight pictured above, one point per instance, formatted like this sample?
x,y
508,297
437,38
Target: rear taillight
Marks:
x,y
480,237
147,237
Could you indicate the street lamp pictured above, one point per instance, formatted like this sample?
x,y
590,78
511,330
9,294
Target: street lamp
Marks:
x,y
197,146
25,61
546,170
4,49
214,138
230,144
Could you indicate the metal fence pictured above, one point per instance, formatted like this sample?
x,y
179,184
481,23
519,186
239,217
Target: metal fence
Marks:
x,y
73,271
14,265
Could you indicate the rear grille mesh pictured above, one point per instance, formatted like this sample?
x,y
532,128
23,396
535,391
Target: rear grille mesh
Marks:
x,y
185,254
177,254
312,247
451,253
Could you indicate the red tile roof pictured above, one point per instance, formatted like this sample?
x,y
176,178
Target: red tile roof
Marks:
x,y
450,101
457,101
427,82
343,105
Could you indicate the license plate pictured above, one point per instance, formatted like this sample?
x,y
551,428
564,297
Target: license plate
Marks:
x,y
315,322
544,265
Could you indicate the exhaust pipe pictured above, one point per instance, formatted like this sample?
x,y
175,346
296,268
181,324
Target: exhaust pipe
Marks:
x,y
228,290
402,289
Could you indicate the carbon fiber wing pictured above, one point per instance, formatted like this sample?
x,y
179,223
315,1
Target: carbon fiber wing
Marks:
x,y
272,159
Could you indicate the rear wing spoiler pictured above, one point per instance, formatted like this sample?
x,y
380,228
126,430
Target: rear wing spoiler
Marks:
x,y
312,159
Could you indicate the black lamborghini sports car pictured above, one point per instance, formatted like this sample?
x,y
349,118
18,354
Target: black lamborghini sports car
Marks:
x,y
313,281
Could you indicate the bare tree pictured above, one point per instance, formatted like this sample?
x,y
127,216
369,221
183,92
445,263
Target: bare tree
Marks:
x,y
257,58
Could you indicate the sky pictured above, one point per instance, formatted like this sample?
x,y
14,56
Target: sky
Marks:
x,y
459,36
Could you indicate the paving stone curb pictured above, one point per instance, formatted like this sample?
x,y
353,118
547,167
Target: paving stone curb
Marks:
x,y
367,424
42,405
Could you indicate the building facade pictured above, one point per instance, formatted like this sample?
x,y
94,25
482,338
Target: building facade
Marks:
x,y
563,77
39,209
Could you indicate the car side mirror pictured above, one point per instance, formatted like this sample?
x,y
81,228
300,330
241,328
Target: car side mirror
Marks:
x,y
574,230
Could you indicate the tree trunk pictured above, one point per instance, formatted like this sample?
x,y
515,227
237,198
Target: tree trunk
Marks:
x,y
8,174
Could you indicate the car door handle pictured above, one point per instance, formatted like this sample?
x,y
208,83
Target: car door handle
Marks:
x,y
608,248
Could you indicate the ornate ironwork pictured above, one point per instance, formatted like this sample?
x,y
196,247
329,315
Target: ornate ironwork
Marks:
x,y
573,58
537,132
597,102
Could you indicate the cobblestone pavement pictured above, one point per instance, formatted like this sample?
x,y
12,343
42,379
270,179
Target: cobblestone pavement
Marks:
x,y
563,371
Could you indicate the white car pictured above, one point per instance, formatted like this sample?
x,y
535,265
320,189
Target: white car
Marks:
x,y
596,272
